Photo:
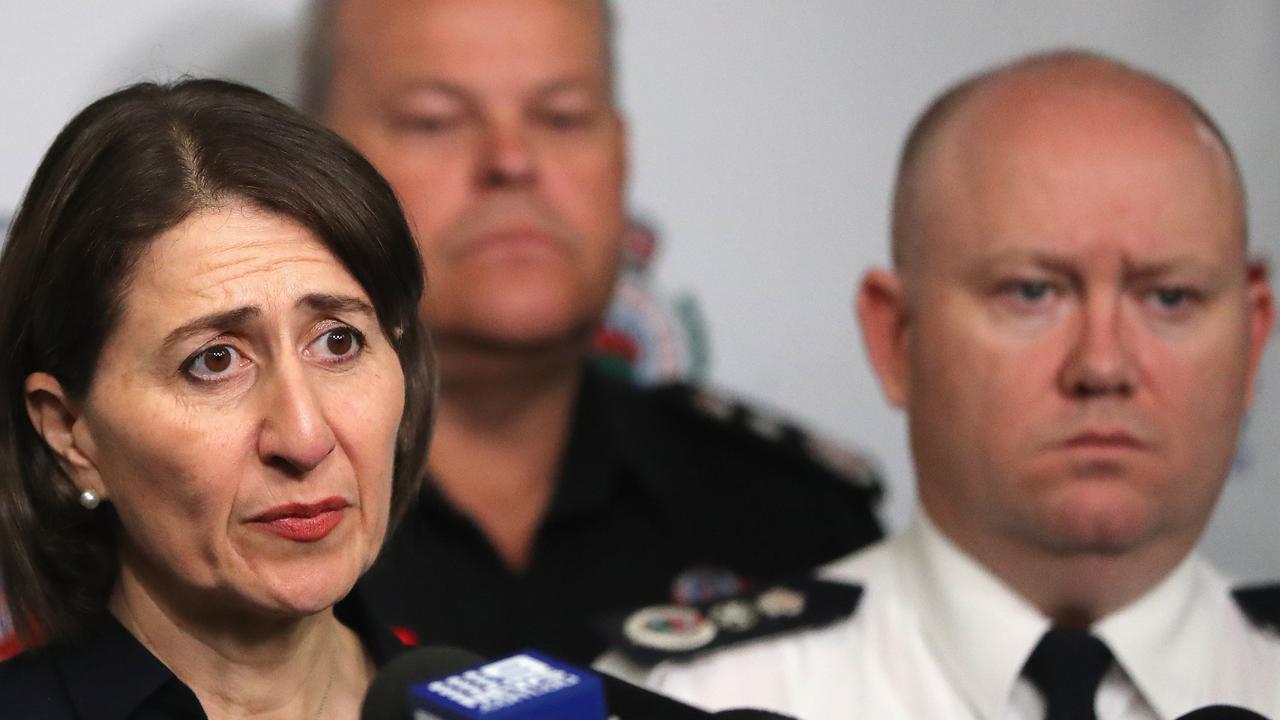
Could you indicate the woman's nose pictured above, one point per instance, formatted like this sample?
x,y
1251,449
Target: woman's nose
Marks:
x,y
295,434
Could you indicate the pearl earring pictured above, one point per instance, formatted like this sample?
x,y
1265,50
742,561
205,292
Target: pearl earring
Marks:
x,y
89,499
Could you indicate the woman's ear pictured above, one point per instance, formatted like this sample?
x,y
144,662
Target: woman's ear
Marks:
x,y
882,312
56,418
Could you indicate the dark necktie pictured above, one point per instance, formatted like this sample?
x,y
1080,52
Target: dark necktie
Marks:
x,y
1067,666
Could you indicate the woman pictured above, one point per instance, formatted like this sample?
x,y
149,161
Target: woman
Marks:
x,y
216,392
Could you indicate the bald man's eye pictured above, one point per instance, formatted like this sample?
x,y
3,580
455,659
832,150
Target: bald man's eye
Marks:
x,y
1028,295
1173,299
1030,291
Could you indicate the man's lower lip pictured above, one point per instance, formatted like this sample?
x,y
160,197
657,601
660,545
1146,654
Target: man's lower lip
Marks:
x,y
1102,445
514,242
305,529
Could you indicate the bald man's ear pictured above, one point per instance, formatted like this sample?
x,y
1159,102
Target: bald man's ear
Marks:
x,y
1262,316
882,313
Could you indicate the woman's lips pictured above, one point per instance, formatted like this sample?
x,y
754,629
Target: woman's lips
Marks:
x,y
304,522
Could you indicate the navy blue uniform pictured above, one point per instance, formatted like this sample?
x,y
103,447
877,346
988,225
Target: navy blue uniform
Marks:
x,y
654,483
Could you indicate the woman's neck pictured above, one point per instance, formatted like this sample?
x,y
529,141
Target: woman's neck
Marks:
x,y
250,667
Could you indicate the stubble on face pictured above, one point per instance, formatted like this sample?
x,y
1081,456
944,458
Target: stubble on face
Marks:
x,y
494,122
1086,420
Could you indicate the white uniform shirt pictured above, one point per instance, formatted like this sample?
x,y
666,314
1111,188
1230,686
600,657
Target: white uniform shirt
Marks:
x,y
938,636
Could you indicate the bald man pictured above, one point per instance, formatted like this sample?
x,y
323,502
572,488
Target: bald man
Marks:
x,y
556,493
1073,328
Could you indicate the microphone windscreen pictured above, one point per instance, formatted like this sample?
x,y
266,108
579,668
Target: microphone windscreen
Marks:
x,y
388,696
1222,712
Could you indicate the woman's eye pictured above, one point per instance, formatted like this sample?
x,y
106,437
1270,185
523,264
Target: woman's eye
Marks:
x,y
215,363
338,344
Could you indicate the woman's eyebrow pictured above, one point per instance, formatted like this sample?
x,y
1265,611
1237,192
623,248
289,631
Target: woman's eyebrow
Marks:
x,y
224,320
239,317
326,302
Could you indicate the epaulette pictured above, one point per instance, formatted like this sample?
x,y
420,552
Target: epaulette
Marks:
x,y
1261,604
656,633
779,430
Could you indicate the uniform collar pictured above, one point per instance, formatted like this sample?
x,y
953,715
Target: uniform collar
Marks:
x,y
598,445
983,632
1178,618
110,675
588,474
980,630
383,643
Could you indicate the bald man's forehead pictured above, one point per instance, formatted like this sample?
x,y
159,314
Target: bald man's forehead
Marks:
x,y
1054,91
1028,127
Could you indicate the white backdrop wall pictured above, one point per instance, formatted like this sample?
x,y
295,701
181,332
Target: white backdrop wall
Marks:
x,y
764,135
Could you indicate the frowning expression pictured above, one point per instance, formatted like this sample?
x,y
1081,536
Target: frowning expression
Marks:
x,y
1084,328
243,416
494,122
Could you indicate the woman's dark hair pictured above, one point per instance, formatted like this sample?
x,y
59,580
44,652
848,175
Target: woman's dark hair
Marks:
x,y
126,169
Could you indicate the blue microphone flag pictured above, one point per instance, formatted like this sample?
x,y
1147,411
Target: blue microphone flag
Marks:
x,y
526,686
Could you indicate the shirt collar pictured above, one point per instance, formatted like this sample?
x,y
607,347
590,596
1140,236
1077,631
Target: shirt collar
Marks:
x,y
110,675
587,476
597,447
1174,619
980,630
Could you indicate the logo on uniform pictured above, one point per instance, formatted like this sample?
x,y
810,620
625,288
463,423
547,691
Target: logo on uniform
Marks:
x,y
734,615
683,628
669,627
653,634
781,602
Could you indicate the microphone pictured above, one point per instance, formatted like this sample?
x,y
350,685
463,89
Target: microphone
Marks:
x,y
443,683
525,686
388,694
1221,712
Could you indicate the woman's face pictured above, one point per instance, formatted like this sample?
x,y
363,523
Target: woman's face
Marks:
x,y
243,416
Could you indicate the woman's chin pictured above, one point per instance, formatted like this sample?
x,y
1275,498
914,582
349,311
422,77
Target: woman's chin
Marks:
x,y
306,592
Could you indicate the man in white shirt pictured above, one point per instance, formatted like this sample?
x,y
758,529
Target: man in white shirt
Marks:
x,y
1073,327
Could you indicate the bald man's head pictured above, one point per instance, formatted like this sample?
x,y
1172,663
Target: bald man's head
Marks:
x,y
1073,326
1044,88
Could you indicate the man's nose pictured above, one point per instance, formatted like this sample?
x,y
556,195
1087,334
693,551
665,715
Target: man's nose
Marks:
x,y
508,156
1099,362
295,435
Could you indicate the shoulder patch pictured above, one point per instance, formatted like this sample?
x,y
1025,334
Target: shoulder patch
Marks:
x,y
656,633
777,429
1261,604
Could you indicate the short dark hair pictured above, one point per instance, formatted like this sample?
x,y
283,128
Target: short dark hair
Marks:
x,y
126,169
315,80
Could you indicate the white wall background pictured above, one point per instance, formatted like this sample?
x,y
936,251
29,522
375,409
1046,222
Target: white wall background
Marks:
x,y
764,135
